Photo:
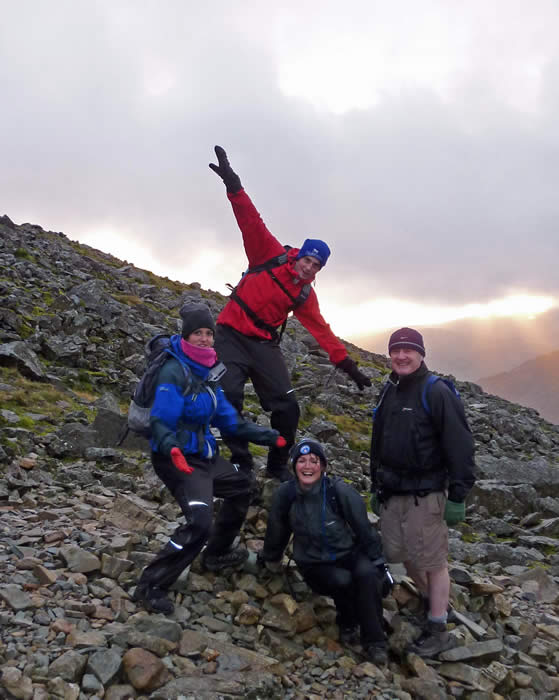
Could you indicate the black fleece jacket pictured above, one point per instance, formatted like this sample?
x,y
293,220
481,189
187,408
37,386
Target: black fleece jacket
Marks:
x,y
414,452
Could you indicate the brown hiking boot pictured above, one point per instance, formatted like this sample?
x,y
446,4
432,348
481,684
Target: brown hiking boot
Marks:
x,y
433,641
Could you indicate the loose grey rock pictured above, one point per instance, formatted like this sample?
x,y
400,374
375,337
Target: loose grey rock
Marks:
x,y
70,666
104,665
15,597
79,560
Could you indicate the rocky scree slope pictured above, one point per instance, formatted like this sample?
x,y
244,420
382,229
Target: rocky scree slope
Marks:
x,y
80,518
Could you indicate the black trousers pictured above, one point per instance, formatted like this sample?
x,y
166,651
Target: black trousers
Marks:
x,y
262,363
194,493
355,584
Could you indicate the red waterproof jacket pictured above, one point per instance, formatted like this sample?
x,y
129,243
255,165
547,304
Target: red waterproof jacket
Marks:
x,y
263,295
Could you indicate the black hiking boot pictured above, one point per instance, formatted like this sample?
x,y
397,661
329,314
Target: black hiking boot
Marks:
x,y
154,599
348,634
433,641
230,558
281,472
377,654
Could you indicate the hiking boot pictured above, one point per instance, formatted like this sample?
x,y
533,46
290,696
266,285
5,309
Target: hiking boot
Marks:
x,y
230,558
281,472
377,654
433,641
348,635
154,599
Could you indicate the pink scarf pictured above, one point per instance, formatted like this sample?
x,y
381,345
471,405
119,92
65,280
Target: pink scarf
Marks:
x,y
207,357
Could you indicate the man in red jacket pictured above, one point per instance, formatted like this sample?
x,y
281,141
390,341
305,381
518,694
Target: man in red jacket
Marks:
x,y
247,339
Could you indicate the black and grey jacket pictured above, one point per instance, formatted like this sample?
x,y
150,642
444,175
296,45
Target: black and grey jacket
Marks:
x,y
324,529
414,452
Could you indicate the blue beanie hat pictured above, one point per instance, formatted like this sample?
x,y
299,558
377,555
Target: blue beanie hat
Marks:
x,y
316,248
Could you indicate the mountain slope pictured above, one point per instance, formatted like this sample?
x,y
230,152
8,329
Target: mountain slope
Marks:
x,y
80,518
534,383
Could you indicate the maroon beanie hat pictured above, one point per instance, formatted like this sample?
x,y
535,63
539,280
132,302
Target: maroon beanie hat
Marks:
x,y
406,338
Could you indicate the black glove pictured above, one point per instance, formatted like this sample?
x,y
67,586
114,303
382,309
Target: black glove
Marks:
x,y
258,434
348,366
225,171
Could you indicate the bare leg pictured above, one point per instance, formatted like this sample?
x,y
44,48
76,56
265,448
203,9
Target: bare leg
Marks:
x,y
434,585
439,592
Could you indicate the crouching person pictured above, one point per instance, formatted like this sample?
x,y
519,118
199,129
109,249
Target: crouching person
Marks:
x,y
185,457
335,547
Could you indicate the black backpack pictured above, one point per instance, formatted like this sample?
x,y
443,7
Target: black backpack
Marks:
x,y
431,379
268,267
157,350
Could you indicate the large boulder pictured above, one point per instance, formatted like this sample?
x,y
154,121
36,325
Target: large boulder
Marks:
x,y
22,356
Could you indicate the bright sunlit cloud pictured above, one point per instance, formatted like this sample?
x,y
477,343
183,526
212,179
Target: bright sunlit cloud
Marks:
x,y
382,314
200,266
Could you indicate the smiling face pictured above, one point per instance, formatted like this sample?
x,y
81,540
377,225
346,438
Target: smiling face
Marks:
x,y
405,360
307,267
308,469
201,338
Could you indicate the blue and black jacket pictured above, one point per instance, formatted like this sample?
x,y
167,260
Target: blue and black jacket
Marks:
x,y
183,420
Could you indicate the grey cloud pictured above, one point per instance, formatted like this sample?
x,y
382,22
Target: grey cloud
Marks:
x,y
439,200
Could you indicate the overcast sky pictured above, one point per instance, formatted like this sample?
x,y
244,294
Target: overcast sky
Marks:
x,y
419,140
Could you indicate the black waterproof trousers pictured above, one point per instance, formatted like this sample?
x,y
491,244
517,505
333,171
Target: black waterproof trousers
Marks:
x,y
262,362
355,584
194,493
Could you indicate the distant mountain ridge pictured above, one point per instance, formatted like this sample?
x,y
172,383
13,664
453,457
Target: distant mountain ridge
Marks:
x,y
534,383
482,347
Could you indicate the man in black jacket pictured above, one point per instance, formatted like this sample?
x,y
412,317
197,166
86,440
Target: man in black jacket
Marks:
x,y
335,547
422,468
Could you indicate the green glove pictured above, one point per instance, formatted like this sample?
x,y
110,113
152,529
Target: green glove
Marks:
x,y
375,504
454,512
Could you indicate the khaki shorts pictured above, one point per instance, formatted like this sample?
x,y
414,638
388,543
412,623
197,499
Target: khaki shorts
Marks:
x,y
413,530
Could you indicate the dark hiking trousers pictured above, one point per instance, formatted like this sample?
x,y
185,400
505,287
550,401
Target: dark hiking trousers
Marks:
x,y
194,493
354,583
262,362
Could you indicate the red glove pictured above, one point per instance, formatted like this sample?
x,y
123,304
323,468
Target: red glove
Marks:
x,y
280,442
179,461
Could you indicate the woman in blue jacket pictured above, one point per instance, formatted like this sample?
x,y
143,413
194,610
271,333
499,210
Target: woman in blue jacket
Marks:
x,y
188,401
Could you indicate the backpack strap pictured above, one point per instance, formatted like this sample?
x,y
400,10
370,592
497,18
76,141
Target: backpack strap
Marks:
x,y
268,266
189,382
194,386
385,387
431,379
